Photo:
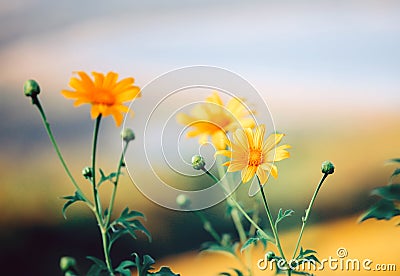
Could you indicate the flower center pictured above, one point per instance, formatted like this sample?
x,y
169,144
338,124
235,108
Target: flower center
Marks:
x,y
255,157
103,96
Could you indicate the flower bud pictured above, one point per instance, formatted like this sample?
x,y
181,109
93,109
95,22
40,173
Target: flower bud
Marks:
x,y
128,135
31,88
87,172
183,201
67,263
198,162
270,255
327,167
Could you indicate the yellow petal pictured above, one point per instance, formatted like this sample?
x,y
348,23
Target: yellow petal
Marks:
x,y
215,98
98,79
271,141
110,80
226,153
259,136
237,166
248,173
240,139
218,140
262,176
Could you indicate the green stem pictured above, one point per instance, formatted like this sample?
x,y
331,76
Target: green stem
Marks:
x,y
114,191
208,226
36,102
274,230
98,211
237,205
308,211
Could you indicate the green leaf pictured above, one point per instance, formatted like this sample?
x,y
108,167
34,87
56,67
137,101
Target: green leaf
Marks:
x,y
263,238
164,271
394,160
395,173
144,266
250,241
389,192
383,209
71,199
104,178
282,215
124,267
97,268
127,224
114,236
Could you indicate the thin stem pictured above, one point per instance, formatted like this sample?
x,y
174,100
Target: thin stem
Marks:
x,y
208,226
94,148
36,102
98,211
267,210
236,219
237,205
308,211
114,191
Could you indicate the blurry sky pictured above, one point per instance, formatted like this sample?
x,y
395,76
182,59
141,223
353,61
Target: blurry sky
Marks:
x,y
331,63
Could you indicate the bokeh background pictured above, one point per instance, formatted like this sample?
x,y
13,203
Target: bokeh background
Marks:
x,y
329,71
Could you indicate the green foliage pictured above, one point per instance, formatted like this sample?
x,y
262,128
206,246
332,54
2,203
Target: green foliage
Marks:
x,y
104,178
71,199
389,192
282,215
146,264
98,267
127,223
260,237
383,209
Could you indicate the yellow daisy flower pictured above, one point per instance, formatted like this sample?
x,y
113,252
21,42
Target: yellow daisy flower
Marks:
x,y
104,93
215,120
252,155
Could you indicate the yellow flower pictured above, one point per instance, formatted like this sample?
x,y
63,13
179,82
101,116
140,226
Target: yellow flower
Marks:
x,y
105,94
214,119
252,155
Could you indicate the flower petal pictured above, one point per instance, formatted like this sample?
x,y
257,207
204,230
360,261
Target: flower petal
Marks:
x,y
248,173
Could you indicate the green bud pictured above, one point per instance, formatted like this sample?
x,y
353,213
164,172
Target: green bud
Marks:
x,y
87,172
31,88
198,162
270,256
128,135
183,201
67,263
327,167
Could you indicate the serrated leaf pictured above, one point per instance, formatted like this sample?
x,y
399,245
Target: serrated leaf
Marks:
x,y
143,266
114,236
250,241
104,178
124,267
128,214
71,199
97,268
383,209
389,192
282,215
164,271
97,261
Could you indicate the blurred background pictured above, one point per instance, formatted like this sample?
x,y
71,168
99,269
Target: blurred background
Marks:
x,y
328,70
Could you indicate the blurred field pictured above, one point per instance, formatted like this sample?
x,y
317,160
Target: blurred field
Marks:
x,y
377,241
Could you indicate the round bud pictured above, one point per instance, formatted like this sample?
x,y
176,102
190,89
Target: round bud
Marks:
x,y
183,201
198,162
31,88
327,167
87,172
128,135
67,263
270,255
